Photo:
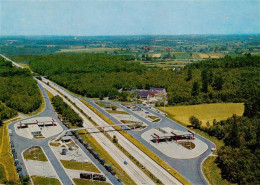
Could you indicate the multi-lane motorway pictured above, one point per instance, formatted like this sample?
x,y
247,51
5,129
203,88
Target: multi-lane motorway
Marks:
x,y
190,169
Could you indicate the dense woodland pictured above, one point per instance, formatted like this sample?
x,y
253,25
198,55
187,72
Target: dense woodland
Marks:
x,y
99,75
68,113
239,159
6,112
18,90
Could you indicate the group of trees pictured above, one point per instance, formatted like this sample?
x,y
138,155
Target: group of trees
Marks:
x,y
67,112
6,112
18,90
239,158
99,75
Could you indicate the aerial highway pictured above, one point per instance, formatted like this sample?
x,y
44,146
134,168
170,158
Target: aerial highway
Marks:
x,y
134,172
146,161
131,169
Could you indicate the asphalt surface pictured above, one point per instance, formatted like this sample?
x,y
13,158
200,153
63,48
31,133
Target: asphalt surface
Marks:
x,y
189,168
22,144
131,169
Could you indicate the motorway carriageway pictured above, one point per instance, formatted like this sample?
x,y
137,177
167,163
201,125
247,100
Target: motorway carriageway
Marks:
x,y
131,169
145,160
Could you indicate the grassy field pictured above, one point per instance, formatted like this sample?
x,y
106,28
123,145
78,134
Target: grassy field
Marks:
x,y
7,171
87,50
34,153
204,56
38,180
143,148
86,182
75,165
117,112
195,56
2,174
205,112
182,55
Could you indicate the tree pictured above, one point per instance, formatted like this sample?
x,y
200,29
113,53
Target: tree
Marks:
x,y
210,76
218,83
195,89
252,107
232,139
195,122
189,75
205,81
115,140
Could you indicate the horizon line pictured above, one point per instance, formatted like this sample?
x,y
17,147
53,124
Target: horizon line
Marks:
x,y
190,34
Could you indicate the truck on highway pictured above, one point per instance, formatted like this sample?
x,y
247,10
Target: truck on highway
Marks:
x,y
91,150
102,161
81,140
96,155
108,167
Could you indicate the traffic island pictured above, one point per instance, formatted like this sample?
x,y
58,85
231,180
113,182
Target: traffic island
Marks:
x,y
38,128
38,166
39,180
34,153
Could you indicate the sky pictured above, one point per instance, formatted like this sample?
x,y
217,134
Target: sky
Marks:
x,y
128,17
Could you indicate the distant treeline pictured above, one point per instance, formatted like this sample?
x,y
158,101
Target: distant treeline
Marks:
x,y
18,90
99,75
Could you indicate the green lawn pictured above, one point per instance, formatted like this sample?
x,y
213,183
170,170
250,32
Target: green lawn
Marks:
x,y
182,55
34,153
38,180
117,112
6,158
86,181
75,165
2,174
205,112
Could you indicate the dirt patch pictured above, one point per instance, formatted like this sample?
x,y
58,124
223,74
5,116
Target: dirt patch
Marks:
x,y
187,144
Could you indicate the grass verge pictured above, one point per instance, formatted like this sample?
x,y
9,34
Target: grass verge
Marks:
x,y
34,153
2,174
75,165
38,180
117,112
6,158
85,182
143,148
